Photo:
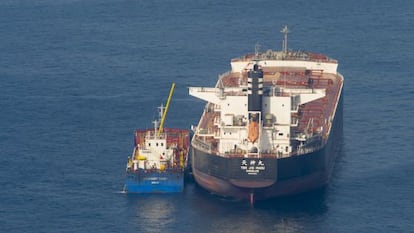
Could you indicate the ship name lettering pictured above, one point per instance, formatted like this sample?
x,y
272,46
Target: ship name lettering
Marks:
x,y
252,172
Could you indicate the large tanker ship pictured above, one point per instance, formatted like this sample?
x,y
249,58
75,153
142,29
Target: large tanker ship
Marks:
x,y
272,125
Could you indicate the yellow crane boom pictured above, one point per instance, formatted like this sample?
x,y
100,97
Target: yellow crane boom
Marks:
x,y
164,114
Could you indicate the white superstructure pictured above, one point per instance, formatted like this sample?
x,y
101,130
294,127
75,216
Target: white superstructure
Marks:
x,y
279,110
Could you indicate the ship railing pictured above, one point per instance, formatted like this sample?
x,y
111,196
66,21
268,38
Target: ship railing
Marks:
x,y
337,98
203,89
205,132
291,55
307,149
273,154
150,135
311,147
202,123
210,107
174,169
220,77
201,145
233,154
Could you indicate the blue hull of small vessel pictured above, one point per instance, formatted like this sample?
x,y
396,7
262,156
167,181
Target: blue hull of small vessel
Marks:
x,y
154,182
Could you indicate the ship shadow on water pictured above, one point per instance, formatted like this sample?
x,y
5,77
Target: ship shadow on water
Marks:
x,y
202,211
312,202
285,214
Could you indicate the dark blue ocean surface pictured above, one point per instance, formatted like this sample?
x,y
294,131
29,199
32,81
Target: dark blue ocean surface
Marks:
x,y
77,77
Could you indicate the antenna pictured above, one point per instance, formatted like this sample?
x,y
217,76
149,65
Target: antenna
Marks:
x,y
155,122
285,31
160,111
256,52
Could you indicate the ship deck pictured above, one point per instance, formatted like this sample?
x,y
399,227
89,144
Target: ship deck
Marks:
x,y
315,116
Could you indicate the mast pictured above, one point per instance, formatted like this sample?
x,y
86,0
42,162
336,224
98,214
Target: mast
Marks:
x,y
164,114
285,31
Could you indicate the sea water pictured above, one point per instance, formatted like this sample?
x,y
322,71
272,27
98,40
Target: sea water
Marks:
x,y
77,77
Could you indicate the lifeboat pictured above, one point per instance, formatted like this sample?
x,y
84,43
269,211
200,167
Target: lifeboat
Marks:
x,y
253,131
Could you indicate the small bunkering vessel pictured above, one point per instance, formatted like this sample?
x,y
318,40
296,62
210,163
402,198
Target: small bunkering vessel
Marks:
x,y
272,125
159,158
